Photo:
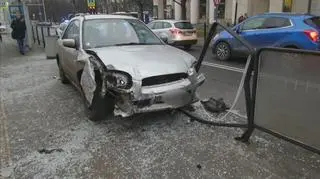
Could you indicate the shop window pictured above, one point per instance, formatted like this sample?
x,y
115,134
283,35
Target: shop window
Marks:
x,y
287,6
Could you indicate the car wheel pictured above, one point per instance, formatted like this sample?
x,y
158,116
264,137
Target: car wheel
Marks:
x,y
62,75
101,107
222,51
187,47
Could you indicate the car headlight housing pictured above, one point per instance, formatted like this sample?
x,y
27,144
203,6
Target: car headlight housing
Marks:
x,y
119,79
191,71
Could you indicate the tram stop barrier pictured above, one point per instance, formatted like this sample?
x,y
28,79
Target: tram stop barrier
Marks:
x,y
282,93
51,46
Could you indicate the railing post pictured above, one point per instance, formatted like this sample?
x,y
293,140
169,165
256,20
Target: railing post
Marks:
x,y
43,41
37,31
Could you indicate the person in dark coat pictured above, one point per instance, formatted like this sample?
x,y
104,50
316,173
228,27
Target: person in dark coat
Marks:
x,y
241,19
19,31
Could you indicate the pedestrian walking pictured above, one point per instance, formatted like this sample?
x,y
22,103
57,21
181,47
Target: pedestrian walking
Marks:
x,y
241,18
19,31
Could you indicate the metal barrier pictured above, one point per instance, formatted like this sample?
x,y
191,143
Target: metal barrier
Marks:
x,y
287,95
41,30
282,96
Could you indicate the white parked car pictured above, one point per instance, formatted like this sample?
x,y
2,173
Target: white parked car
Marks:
x,y
178,32
121,67
3,29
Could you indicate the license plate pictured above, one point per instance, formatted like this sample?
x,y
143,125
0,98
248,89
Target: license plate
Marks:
x,y
188,33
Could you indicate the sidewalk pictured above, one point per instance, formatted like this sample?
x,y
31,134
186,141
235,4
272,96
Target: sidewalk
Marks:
x,y
38,114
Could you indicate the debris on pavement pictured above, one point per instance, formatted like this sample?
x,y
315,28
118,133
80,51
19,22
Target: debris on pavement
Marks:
x,y
49,151
215,106
199,166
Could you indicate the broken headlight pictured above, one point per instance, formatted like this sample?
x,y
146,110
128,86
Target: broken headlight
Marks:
x,y
119,79
191,71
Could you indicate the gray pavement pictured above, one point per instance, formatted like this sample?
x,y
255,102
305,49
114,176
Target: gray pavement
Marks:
x,y
38,112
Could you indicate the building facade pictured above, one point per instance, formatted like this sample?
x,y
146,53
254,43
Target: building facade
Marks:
x,y
229,10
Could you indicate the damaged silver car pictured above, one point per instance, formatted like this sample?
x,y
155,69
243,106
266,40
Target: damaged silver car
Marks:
x,y
121,67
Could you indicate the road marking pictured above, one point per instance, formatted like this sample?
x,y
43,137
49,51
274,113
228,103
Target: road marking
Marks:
x,y
225,67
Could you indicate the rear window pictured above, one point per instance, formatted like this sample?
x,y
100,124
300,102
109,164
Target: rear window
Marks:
x,y
183,25
314,22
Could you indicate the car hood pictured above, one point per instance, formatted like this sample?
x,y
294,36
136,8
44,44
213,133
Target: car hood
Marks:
x,y
142,61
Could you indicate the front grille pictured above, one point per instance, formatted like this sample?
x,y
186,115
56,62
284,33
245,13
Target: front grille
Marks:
x,y
156,80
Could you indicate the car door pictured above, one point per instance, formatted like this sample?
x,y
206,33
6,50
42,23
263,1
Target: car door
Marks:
x,y
274,30
157,28
251,28
70,55
166,26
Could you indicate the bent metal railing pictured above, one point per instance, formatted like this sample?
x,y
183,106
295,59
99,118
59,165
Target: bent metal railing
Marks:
x,y
301,129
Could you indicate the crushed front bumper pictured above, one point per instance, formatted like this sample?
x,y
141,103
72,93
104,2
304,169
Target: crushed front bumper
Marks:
x,y
158,97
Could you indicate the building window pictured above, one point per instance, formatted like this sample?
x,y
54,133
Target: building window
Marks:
x,y
287,6
221,9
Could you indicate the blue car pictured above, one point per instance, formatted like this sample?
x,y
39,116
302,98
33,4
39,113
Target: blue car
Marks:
x,y
286,30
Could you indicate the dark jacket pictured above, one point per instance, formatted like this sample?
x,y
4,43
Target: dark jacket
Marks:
x,y
18,29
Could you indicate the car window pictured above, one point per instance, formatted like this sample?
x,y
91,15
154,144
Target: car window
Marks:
x,y
252,24
110,32
183,25
167,25
276,22
73,30
151,25
314,22
158,25
63,26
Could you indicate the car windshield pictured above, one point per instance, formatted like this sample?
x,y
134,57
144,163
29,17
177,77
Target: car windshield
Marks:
x,y
114,32
183,25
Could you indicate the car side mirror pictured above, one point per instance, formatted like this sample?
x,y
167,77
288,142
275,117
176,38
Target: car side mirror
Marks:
x,y
164,38
70,43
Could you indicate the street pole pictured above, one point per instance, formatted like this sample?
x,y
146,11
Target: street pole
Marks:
x,y
236,13
44,11
207,19
309,6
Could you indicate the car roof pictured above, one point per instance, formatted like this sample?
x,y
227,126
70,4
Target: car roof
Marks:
x,y
288,15
103,16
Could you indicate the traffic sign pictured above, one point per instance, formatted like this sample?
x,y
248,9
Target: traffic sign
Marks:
x,y
216,2
91,3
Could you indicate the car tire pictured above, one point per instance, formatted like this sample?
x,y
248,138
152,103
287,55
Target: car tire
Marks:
x,y
222,51
101,107
63,78
187,47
